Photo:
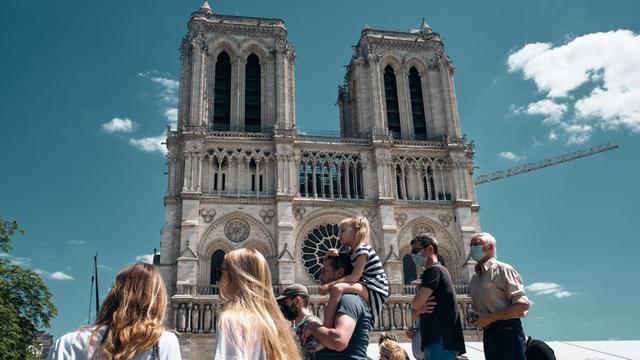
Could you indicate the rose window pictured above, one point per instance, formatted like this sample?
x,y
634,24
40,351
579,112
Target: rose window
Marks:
x,y
315,246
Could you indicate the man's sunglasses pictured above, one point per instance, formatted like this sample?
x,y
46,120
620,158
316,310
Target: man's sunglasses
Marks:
x,y
415,251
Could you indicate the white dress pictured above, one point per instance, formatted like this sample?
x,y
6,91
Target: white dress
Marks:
x,y
74,346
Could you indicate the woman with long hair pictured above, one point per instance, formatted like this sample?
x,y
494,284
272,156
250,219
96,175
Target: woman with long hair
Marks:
x,y
251,326
129,325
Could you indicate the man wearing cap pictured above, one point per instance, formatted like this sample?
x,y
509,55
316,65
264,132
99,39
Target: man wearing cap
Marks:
x,y
349,337
441,331
294,304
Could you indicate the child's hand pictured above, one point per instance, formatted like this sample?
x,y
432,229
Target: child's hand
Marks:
x,y
323,289
333,252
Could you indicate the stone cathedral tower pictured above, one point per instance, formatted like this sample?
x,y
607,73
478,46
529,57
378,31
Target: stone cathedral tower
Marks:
x,y
241,174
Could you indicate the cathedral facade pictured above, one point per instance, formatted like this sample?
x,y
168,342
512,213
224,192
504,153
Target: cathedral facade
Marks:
x,y
242,174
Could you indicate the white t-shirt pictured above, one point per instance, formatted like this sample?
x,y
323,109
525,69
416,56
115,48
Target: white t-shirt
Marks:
x,y
74,346
230,348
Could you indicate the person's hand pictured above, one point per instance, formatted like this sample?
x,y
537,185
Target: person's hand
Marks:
x,y
429,306
410,333
309,331
483,321
333,252
323,289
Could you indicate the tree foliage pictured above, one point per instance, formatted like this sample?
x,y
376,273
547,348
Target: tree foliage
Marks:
x,y
25,301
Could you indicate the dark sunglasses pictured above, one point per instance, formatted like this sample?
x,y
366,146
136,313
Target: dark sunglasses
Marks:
x,y
415,251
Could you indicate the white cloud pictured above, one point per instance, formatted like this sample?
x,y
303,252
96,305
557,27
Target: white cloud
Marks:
x,y
76,242
147,258
118,125
20,261
577,133
59,275
548,288
104,267
150,144
552,135
172,116
591,82
508,155
56,275
170,87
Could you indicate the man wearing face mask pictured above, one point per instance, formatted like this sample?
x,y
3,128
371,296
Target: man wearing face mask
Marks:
x,y
498,296
294,304
441,331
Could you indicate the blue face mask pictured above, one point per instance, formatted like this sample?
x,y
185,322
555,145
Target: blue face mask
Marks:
x,y
476,252
418,259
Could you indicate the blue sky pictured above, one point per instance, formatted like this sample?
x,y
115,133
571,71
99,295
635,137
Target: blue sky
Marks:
x,y
533,80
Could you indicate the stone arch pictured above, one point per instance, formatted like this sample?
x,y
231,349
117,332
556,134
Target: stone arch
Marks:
x,y
447,248
254,47
315,219
226,44
414,61
393,61
214,239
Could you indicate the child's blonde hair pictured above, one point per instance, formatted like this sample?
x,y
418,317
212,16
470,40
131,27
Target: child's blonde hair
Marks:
x,y
361,225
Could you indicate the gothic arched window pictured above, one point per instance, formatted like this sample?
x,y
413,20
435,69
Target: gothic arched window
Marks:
x,y
417,105
216,261
409,269
252,94
391,97
222,93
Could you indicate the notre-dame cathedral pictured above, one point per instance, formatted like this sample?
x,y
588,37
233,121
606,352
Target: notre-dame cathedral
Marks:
x,y
241,174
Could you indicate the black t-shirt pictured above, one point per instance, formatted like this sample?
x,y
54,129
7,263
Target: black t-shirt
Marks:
x,y
539,350
445,322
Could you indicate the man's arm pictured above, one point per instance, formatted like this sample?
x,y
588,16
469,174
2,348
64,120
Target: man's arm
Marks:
x,y
336,338
512,312
420,299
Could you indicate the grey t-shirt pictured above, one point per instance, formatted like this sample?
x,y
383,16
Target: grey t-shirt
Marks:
x,y
356,308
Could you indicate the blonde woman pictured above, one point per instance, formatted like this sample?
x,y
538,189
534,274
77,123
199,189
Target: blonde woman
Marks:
x,y
251,325
129,325
368,278
391,350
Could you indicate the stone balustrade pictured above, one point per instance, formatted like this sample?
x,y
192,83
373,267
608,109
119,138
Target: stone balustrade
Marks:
x,y
196,309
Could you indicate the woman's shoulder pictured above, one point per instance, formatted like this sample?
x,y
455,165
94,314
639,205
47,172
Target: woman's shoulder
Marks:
x,y
169,345
75,344
168,337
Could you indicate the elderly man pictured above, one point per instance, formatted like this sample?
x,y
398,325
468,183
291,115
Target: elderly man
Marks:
x,y
349,337
441,331
294,304
497,293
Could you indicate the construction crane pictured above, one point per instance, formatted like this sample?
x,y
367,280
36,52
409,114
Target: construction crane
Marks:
x,y
483,179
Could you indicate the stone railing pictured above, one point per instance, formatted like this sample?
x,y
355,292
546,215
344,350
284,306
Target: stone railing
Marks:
x,y
188,289
195,309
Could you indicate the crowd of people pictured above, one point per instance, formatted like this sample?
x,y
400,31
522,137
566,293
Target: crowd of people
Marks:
x,y
254,324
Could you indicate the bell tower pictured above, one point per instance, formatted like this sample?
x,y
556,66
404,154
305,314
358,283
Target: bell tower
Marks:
x,y
400,84
237,74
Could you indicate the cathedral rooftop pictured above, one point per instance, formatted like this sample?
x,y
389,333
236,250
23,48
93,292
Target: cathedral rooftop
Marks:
x,y
206,13
424,33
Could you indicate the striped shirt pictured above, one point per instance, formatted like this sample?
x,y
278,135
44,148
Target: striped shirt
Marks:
x,y
373,277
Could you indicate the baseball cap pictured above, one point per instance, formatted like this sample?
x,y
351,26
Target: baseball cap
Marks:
x,y
294,290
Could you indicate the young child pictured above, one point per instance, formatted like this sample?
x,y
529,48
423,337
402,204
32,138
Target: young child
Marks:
x,y
368,278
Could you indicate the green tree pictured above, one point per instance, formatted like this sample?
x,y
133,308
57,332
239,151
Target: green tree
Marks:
x,y
25,301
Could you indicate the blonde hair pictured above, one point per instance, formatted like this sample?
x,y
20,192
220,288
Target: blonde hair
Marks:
x,y
133,313
361,225
391,350
250,305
